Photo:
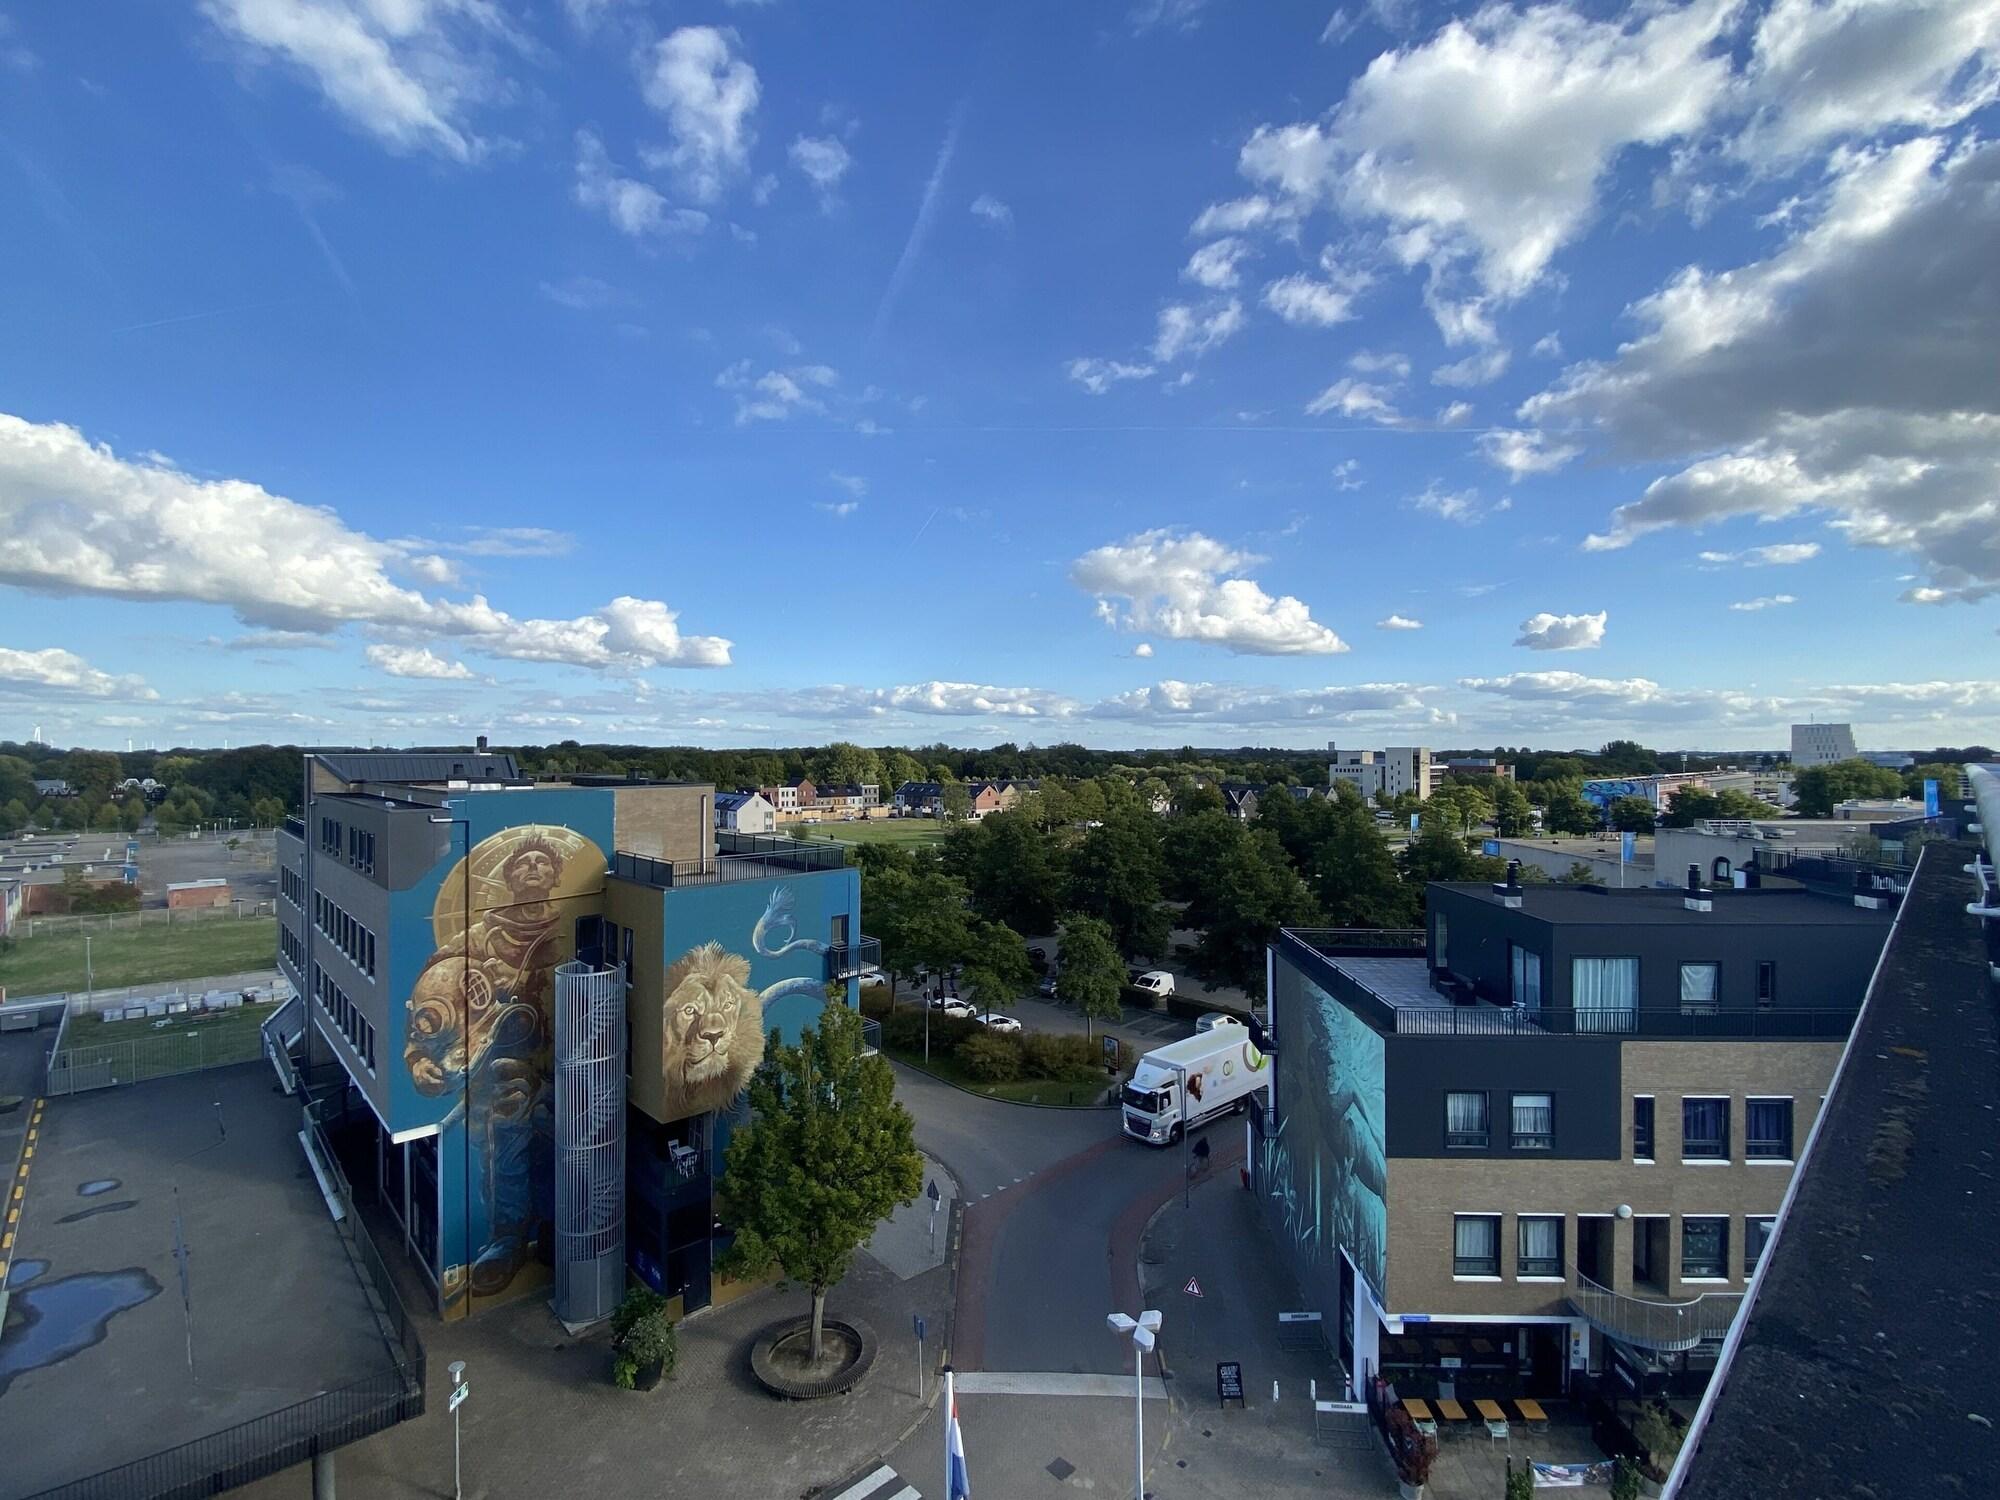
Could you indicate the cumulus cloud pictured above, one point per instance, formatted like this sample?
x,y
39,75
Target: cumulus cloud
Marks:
x,y
75,518
777,395
1454,413
1185,586
840,510
1482,368
1547,632
708,95
64,674
408,72
1777,555
1523,453
1098,375
1399,622
1461,506
990,210
417,661
1766,601
1251,706
1355,398
1307,302
633,207
824,161
1143,649
1214,265
1189,330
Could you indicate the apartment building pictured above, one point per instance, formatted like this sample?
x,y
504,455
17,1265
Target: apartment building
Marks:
x,y
1384,773
1543,1146
435,911
1822,745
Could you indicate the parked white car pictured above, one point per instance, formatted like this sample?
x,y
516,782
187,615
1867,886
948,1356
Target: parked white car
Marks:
x,y
994,1020
1214,1019
872,978
951,1005
1155,982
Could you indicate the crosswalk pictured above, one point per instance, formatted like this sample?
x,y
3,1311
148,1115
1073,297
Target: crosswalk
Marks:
x,y
883,1483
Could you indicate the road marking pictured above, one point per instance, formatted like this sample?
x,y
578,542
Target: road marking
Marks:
x,y
866,1484
884,1484
1053,1383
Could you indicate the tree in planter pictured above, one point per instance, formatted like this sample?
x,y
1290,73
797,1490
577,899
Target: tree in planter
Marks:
x,y
827,1155
1520,1482
1093,975
642,1336
1657,1433
1624,1479
1414,1452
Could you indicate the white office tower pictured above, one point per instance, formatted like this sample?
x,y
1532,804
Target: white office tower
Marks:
x,y
1821,744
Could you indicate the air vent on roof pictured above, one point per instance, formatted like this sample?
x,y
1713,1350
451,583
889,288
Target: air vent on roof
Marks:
x,y
1697,898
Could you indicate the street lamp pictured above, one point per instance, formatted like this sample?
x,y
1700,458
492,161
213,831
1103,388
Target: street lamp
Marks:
x,y
1141,1329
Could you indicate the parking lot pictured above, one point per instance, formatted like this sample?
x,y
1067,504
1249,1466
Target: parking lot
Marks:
x,y
250,867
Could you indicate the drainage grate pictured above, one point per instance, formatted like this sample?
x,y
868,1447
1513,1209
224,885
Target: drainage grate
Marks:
x,y
1062,1468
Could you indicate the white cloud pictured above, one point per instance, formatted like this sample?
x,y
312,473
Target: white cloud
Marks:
x,y
777,395
1522,453
990,209
1355,398
1098,375
63,674
1820,70
1238,704
75,518
1548,346
1399,622
1188,330
824,161
1214,265
1851,373
840,510
1453,414
1345,474
635,208
854,484
1777,555
409,72
1484,146
1461,506
1547,632
417,661
708,95
1239,214
1766,601
1143,649
1475,369
1371,363
1165,15
1184,586
274,640
1309,302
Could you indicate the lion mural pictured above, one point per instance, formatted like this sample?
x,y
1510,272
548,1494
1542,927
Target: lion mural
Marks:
x,y
711,1032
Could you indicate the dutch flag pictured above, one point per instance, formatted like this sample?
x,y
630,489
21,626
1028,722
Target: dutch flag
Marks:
x,y
957,1485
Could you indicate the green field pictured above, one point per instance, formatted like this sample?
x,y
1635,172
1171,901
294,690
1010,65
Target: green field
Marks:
x,y
880,831
51,963
159,1047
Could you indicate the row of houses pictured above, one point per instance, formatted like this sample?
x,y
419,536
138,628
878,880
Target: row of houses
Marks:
x,y
925,799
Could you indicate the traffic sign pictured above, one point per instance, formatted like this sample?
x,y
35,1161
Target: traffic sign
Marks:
x,y
920,1327
1193,1288
459,1396
932,1193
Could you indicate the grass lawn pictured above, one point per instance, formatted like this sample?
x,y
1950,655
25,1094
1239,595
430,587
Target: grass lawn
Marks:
x,y
1079,1093
51,963
879,831
167,1045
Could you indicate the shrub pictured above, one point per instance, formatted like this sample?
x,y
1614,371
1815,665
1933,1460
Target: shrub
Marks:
x,y
990,1057
1520,1483
1659,1435
904,1031
642,1335
1624,1479
1050,1056
1414,1452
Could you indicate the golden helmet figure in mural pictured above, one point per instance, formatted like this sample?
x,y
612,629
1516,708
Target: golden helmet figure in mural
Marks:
x,y
712,1029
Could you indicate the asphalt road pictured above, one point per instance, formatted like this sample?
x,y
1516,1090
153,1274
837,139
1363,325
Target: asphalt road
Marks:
x,y
991,1146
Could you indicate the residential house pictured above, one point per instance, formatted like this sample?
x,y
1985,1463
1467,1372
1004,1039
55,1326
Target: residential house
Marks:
x,y
745,812
1239,800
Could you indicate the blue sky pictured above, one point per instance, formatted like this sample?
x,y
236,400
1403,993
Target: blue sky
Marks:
x,y
392,370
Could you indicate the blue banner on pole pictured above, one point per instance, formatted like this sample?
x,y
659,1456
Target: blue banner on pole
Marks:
x,y
1930,797
1491,846
1413,822
1625,845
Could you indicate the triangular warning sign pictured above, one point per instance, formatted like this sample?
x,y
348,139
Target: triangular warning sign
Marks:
x,y
1193,1288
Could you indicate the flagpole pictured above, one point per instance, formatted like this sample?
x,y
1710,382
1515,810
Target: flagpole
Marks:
x,y
950,1415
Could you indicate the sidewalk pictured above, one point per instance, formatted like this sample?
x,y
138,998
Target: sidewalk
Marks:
x,y
544,1419
1265,1447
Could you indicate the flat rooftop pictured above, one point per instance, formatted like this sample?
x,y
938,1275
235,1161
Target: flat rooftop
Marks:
x,y
1661,906
115,1346
1864,1363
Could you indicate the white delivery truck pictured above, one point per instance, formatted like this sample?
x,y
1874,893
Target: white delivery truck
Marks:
x,y
1220,1070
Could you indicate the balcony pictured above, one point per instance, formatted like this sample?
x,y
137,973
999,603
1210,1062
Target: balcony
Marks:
x,y
851,960
296,828
871,1037
738,857
1647,1324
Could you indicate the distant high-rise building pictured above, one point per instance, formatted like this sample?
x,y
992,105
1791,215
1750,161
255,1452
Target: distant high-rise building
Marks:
x,y
1398,769
1822,744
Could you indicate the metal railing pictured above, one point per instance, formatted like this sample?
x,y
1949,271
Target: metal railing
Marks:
x,y
871,1036
280,1028
1338,942
784,857
1662,1021
845,960
209,1041
1666,1326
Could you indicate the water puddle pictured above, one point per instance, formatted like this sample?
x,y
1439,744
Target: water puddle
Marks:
x,y
24,1271
100,1208
57,1319
99,1185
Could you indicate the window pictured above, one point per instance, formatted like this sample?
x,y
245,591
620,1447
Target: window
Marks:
x,y
1756,1239
1541,1245
1642,1127
1704,1129
1704,1249
1701,989
1604,992
1475,1245
1767,983
1439,954
1534,1122
1526,974
1767,1129
1465,1123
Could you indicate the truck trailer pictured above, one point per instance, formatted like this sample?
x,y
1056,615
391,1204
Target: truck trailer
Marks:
x,y
1219,1070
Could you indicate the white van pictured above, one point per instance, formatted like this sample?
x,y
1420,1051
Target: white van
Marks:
x,y
1155,982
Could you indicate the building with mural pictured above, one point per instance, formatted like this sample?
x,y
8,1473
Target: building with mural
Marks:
x,y
1540,1145
427,905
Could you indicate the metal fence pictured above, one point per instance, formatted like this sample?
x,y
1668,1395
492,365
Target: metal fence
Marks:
x,y
1665,1326
131,921
1648,1021
206,1041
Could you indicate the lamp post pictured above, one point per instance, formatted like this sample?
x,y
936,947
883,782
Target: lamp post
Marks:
x,y
1141,1330
1187,1181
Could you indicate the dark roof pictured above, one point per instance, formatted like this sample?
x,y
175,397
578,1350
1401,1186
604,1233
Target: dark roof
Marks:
x,y
919,789
734,799
420,767
1662,906
837,789
1860,1366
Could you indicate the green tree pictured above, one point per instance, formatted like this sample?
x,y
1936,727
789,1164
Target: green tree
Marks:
x,y
845,764
1513,816
267,812
1093,976
105,818
13,815
918,913
1011,868
1464,805
997,970
1631,814
1438,854
17,780
91,774
1627,758
1944,773
1567,812
1259,893
1686,805
1350,867
1819,789
1115,874
956,799
1192,847
827,1155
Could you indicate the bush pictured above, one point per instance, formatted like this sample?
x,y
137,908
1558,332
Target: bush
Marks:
x,y
1414,1452
1660,1435
904,1031
642,1335
1624,1479
1520,1483
991,1057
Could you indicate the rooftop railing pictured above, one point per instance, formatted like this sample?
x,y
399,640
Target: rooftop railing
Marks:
x,y
1647,1324
1663,1021
1346,942
737,857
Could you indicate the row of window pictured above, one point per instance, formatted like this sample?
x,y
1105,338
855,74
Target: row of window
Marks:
x,y
1767,1128
292,886
1612,984
357,1028
348,935
1538,1248
292,947
355,845
1531,1121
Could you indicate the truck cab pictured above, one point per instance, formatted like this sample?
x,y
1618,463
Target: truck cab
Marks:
x,y
1185,1084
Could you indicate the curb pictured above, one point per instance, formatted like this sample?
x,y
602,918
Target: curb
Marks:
x,y
915,1067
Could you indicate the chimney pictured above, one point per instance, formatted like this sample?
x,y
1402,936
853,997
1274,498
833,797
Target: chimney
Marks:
x,y
1698,895
480,744
1509,890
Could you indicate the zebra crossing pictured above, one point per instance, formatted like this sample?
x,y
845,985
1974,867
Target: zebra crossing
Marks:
x,y
882,1483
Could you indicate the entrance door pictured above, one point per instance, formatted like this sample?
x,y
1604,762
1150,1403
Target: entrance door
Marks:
x,y
1346,1313
1649,1252
1546,1361
1593,1247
